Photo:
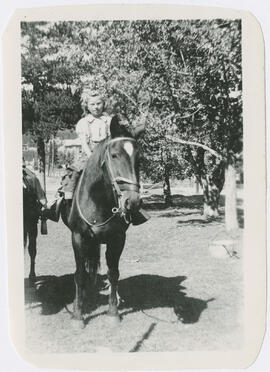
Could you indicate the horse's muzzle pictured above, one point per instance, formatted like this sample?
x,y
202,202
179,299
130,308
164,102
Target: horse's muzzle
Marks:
x,y
132,201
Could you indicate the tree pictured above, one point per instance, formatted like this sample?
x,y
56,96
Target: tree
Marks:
x,y
48,103
161,159
182,78
196,89
217,85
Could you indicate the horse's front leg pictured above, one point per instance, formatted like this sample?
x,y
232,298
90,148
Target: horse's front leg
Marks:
x,y
113,254
80,276
25,237
32,250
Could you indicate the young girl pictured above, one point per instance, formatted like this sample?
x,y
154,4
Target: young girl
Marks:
x,y
91,129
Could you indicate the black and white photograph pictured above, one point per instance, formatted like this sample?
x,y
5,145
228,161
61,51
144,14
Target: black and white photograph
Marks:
x,y
134,130
133,185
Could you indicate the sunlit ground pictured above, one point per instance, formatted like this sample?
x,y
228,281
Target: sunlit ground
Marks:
x,y
179,289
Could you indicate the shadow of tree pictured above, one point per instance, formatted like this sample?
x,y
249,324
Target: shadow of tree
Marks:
x,y
156,202
138,293
240,217
179,213
201,221
196,216
145,336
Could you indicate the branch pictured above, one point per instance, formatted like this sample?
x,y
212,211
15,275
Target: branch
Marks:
x,y
184,73
183,59
189,115
183,117
193,143
129,98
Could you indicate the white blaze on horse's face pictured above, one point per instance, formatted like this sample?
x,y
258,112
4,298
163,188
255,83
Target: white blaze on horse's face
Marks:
x,y
128,146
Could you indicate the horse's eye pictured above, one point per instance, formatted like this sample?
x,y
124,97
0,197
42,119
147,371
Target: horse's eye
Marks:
x,y
114,156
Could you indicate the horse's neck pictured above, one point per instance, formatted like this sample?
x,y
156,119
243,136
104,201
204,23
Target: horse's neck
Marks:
x,y
94,195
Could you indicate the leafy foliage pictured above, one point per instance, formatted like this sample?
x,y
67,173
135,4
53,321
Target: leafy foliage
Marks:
x,y
48,103
181,78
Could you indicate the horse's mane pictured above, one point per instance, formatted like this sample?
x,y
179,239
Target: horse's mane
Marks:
x,y
94,162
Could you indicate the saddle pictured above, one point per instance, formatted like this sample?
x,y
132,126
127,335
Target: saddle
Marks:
x,y
53,213
68,183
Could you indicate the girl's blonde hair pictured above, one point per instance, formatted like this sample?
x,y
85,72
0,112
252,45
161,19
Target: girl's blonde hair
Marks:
x,y
87,93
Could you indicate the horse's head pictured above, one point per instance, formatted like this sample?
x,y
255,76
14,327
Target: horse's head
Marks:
x,y
122,164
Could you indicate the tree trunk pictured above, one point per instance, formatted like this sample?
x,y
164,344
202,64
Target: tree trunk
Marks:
x,y
52,158
197,187
211,196
167,189
231,221
49,159
41,161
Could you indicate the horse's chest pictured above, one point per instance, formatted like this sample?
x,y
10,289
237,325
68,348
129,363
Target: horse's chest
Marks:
x,y
107,233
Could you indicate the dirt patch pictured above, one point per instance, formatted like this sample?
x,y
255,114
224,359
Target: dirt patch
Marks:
x,y
175,295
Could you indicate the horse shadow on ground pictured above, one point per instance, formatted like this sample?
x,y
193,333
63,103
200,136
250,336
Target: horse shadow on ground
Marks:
x,y
138,293
145,292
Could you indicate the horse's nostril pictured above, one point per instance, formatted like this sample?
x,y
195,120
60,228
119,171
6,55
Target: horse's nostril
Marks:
x,y
132,202
127,204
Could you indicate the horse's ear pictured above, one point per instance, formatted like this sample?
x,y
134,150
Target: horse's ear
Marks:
x,y
118,130
114,127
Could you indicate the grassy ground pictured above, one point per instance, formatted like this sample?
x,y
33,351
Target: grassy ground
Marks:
x,y
176,293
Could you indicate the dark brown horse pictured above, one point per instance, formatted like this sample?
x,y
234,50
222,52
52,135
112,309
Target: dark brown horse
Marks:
x,y
105,199
34,200
31,214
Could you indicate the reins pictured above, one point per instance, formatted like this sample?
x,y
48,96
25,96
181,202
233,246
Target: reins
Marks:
x,y
117,192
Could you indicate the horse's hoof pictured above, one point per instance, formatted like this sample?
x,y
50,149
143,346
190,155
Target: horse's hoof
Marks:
x,y
32,279
82,325
114,320
77,324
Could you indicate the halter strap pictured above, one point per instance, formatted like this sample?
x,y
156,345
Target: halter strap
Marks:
x,y
117,139
118,181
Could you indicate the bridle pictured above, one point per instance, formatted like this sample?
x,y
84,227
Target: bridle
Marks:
x,y
118,183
